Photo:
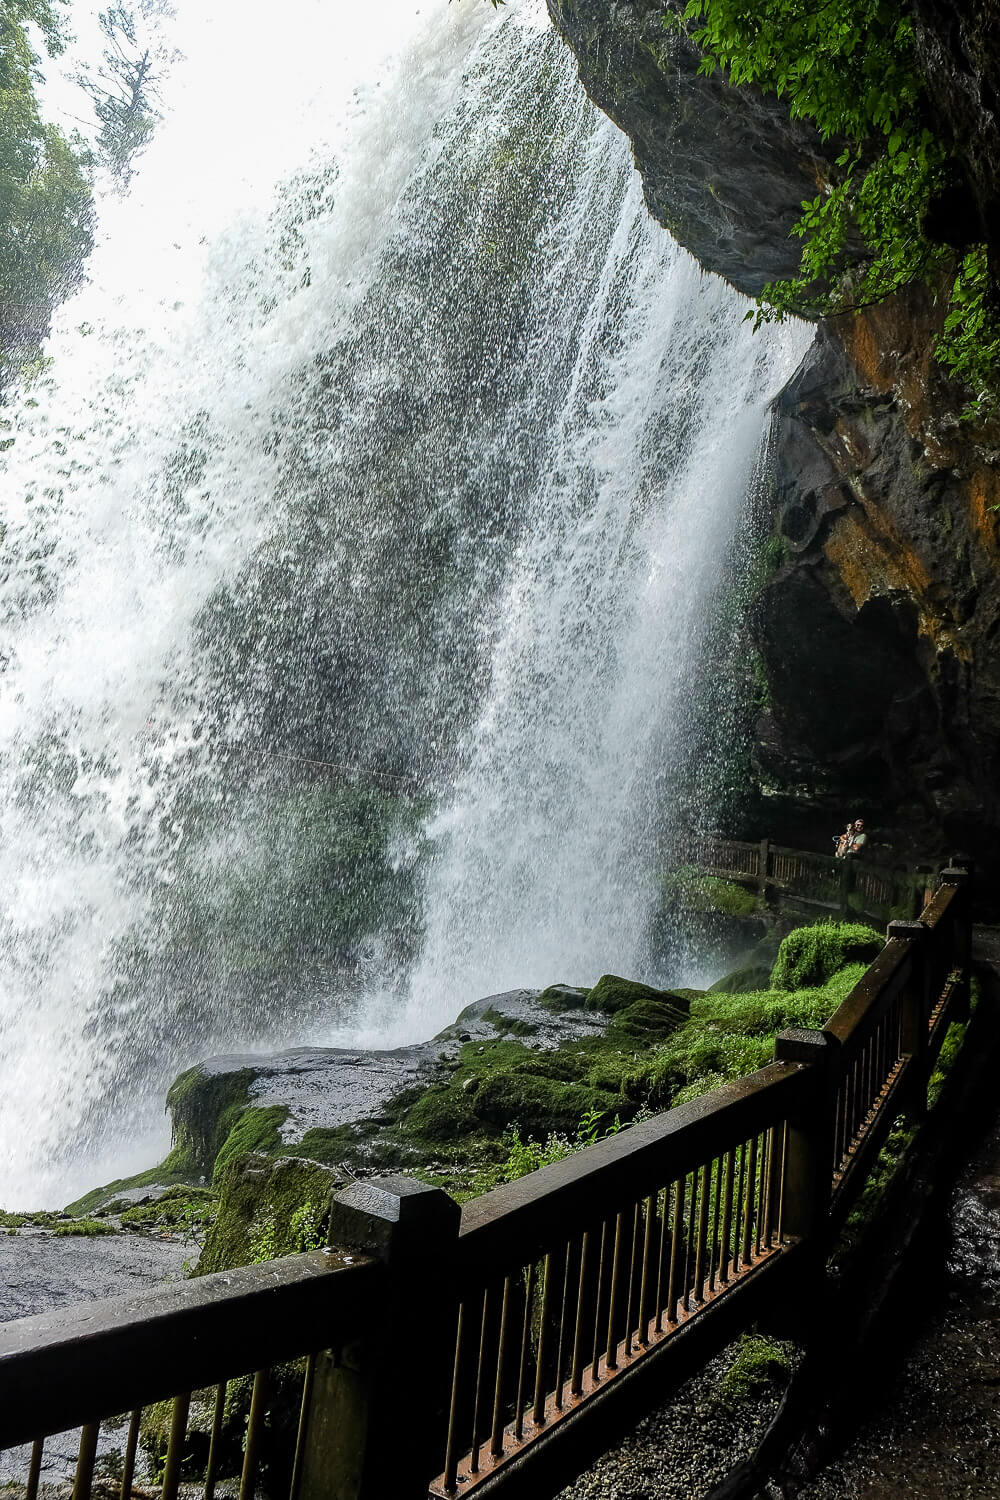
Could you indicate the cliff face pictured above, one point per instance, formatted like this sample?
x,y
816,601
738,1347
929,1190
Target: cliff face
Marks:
x,y
878,633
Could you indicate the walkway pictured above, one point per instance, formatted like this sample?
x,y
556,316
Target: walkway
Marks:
x,y
938,1432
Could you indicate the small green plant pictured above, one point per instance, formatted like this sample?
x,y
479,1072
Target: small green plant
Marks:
x,y
89,1228
304,1231
760,1364
850,67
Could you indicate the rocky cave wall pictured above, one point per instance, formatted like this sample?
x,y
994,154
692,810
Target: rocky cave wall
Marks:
x,y
878,632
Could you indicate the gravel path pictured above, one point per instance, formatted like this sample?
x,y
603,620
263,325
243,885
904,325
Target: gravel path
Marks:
x,y
937,1434
680,1450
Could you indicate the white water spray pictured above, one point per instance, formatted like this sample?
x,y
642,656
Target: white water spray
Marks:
x,y
435,463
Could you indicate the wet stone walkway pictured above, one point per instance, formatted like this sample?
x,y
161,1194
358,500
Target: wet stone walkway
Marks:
x,y
936,1435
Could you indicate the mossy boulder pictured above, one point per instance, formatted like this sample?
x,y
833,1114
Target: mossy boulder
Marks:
x,y
204,1107
442,1114
611,994
544,1105
268,1207
810,956
562,997
649,1020
742,981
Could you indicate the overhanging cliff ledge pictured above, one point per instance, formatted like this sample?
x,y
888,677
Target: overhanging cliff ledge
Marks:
x,y
877,633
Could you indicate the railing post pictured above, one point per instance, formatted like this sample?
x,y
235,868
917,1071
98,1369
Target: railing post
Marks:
x,y
377,1417
764,859
960,875
915,1015
846,882
809,1161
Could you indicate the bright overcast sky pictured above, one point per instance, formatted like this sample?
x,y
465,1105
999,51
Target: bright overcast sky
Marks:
x,y
257,89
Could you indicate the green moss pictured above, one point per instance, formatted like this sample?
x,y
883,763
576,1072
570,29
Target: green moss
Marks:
x,y
760,1365
192,1209
176,1168
41,1220
646,1020
562,997
507,1025
544,1105
89,1228
253,1130
206,1108
685,890
728,1036
611,993
811,955
267,1208
742,981
442,1113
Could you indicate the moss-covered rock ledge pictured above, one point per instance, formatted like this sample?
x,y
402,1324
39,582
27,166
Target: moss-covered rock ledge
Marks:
x,y
519,1078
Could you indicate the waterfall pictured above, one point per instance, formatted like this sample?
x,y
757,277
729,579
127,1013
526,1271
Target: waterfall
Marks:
x,y
428,467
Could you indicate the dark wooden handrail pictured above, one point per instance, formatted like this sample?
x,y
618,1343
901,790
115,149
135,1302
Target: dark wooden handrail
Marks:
x,y
520,1217
479,1337
148,1345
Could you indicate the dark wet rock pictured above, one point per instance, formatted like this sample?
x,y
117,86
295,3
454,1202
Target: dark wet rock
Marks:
x,y
877,636
323,1088
229,1105
724,169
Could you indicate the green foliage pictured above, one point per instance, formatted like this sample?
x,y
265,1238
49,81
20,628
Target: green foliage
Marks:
x,y
125,88
685,890
812,955
850,67
187,1209
969,346
304,1230
46,211
88,1228
760,1365
524,1156
729,1036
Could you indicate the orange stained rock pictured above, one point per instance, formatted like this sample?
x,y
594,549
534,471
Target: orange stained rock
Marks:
x,y
871,557
984,500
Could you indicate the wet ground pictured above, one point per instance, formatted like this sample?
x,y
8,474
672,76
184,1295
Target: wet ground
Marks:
x,y
682,1448
935,1428
40,1270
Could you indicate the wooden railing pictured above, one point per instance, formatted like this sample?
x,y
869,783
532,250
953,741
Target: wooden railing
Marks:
x,y
812,882
465,1344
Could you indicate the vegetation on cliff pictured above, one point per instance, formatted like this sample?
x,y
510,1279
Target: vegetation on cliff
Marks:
x,y
46,211
896,208
503,1106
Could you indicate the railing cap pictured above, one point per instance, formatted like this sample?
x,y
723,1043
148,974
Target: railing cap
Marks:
x,y
907,931
378,1216
800,1045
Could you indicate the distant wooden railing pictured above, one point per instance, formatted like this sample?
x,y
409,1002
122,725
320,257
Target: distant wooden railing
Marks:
x,y
813,882
467,1343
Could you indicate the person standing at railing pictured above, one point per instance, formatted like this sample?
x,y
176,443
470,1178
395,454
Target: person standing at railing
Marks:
x,y
858,840
852,841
